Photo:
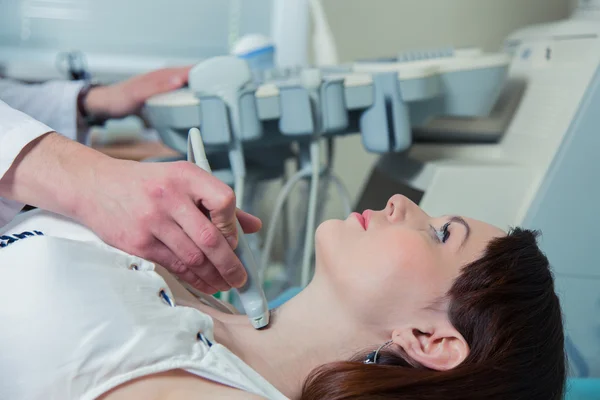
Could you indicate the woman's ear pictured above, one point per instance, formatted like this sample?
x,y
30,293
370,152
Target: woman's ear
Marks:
x,y
436,347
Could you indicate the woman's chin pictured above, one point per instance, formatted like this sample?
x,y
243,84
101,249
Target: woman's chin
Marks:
x,y
325,229
327,240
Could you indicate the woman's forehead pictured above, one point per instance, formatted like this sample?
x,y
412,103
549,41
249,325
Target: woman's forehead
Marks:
x,y
483,228
481,233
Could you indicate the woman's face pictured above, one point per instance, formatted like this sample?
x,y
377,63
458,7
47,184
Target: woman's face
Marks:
x,y
399,259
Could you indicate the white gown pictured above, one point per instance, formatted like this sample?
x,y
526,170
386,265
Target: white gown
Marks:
x,y
79,318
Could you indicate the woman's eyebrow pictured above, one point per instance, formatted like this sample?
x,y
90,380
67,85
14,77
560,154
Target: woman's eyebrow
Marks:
x,y
460,220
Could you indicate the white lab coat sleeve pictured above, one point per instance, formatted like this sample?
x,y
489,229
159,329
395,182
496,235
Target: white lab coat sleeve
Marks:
x,y
53,103
16,131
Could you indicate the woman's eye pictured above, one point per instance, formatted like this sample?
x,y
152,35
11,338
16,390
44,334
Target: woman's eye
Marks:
x,y
444,233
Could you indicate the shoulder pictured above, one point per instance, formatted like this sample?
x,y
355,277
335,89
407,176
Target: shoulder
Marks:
x,y
176,385
211,390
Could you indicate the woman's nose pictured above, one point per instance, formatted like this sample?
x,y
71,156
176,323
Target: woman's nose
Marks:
x,y
401,208
397,208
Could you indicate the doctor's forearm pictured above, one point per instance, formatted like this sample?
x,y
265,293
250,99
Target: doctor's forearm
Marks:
x,y
51,172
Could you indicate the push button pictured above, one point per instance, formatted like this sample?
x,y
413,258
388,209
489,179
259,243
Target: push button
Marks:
x,y
163,294
203,339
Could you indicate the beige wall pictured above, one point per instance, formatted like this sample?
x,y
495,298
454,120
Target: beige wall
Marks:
x,y
374,28
370,28
573,4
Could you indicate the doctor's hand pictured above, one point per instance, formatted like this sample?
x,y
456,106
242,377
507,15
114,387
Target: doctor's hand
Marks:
x,y
174,214
128,97
158,211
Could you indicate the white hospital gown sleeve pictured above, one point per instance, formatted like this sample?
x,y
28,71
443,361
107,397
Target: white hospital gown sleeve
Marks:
x,y
16,131
53,103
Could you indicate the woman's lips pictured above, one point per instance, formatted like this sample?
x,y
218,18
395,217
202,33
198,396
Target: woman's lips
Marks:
x,y
366,215
361,220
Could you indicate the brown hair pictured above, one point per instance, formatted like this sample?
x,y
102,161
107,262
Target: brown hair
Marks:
x,y
505,306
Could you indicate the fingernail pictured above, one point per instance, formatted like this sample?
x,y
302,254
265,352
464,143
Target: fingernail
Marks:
x,y
242,280
233,242
224,287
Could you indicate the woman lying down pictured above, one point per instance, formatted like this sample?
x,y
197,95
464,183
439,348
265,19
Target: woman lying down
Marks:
x,y
402,306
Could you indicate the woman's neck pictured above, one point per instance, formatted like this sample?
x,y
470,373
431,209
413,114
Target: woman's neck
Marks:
x,y
304,334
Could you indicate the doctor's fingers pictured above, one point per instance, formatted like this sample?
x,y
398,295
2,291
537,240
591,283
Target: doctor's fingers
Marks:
x,y
189,257
213,244
218,199
140,88
165,257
